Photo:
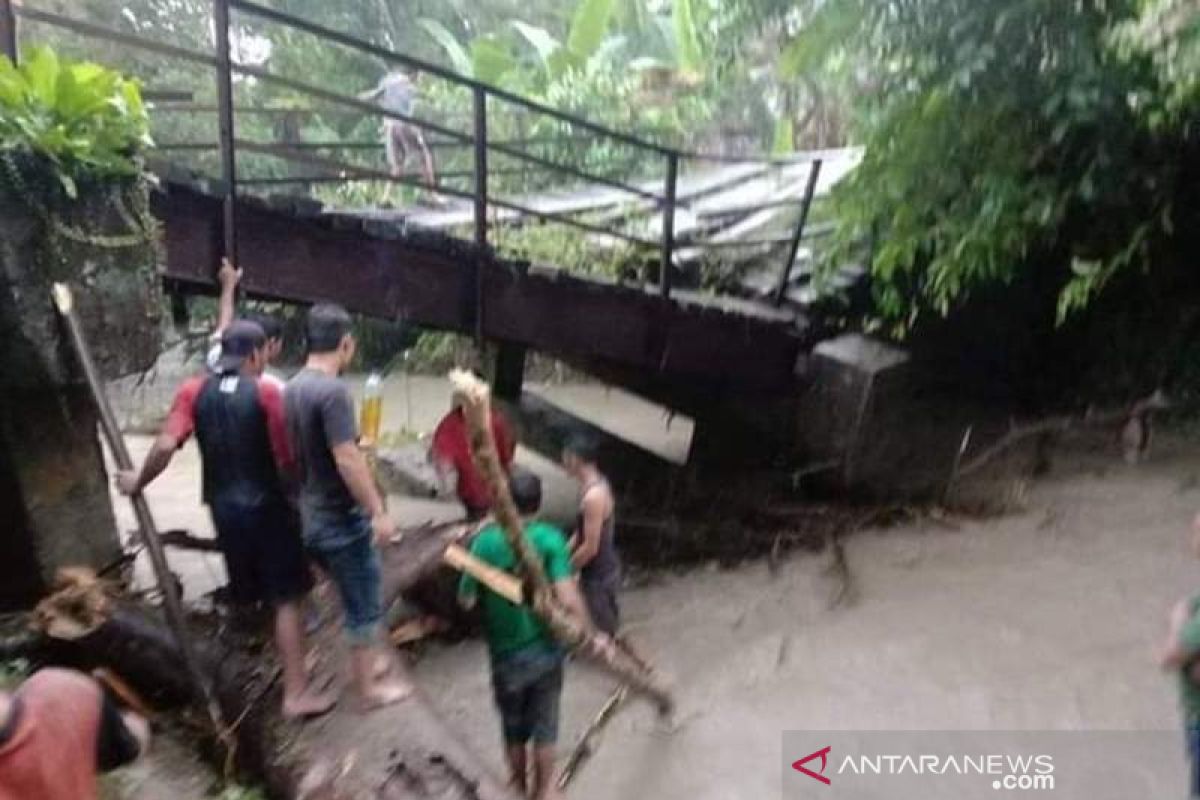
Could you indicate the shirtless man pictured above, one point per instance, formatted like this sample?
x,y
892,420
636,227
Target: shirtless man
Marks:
x,y
593,543
397,92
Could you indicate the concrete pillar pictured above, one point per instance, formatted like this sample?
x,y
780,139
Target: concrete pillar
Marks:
x,y
509,373
52,477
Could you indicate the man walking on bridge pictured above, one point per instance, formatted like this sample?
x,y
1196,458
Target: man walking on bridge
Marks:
x,y
397,93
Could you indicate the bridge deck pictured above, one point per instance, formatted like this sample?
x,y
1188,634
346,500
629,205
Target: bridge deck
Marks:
x,y
298,254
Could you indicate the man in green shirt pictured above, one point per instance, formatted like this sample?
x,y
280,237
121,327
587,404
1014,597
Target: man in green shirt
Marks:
x,y
527,664
1181,654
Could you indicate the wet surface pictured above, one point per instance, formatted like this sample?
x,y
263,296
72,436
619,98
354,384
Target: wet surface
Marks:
x,y
1043,619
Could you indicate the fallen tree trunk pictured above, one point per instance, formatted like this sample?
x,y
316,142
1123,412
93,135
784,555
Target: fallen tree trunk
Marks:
x,y
399,751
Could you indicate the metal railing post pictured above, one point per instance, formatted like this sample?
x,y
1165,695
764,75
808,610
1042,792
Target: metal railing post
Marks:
x,y
225,111
481,201
481,166
8,30
814,174
668,226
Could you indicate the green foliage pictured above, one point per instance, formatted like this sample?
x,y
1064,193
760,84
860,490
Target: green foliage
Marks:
x,y
12,672
688,51
86,120
589,26
1168,31
566,248
1000,138
460,59
234,792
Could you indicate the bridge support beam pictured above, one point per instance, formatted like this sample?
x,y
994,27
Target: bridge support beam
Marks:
x,y
508,373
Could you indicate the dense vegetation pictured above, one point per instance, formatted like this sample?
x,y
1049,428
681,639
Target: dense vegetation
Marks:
x,y
1046,148
71,133
1008,136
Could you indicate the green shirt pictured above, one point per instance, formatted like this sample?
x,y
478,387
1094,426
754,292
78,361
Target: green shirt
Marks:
x,y
510,627
1189,640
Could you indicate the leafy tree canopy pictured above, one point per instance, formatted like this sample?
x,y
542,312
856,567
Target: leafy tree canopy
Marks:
x,y
1004,135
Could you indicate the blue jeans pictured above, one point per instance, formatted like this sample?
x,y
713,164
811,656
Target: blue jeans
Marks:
x,y
527,685
342,545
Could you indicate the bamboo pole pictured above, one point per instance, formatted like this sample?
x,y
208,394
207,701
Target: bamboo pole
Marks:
x,y
564,626
147,530
499,581
586,745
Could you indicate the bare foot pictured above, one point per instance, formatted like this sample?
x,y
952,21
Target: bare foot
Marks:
x,y
384,693
382,666
307,705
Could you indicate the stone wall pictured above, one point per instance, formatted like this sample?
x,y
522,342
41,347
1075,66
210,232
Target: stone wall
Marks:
x,y
52,476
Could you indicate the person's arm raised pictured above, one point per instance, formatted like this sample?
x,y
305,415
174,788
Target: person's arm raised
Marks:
x,y
228,277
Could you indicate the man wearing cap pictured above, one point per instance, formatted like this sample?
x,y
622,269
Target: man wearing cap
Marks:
x,y
239,425
228,277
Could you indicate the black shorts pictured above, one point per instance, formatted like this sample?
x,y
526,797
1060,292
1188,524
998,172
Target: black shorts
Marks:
x,y
263,553
601,599
527,686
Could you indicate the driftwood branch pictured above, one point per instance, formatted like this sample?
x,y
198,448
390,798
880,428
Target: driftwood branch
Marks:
x,y
566,627
1019,433
586,744
403,751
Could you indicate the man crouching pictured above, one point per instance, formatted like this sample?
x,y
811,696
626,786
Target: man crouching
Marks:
x,y
527,664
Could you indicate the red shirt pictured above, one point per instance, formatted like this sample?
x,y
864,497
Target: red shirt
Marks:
x,y
181,419
51,754
450,447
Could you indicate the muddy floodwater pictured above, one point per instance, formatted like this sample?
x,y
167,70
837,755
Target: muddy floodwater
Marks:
x,y
1046,618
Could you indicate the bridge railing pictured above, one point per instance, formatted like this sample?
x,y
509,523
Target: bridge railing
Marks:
x,y
320,159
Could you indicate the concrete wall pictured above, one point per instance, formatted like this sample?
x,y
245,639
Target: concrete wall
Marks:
x,y
869,414
52,478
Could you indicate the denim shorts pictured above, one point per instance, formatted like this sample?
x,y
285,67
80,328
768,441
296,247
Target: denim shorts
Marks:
x,y
350,558
527,686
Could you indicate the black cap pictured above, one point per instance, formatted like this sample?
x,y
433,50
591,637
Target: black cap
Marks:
x,y
238,342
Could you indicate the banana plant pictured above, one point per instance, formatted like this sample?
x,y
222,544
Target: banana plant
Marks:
x,y
84,119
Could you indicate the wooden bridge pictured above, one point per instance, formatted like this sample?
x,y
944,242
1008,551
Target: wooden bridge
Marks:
x,y
656,331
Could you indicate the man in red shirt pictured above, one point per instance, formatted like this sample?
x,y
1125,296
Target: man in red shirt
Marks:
x,y
57,731
451,456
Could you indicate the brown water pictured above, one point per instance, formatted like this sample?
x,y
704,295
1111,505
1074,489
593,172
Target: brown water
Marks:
x,y
1044,619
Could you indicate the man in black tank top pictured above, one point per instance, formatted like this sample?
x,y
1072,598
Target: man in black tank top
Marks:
x,y
238,422
593,542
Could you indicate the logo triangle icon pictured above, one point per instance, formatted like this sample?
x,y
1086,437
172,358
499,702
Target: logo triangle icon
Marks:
x,y
819,775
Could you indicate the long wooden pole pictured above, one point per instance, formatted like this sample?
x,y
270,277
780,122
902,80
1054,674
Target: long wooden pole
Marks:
x,y
586,745
499,581
565,626
147,530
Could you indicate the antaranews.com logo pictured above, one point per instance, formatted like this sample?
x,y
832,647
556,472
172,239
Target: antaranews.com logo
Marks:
x,y
970,765
1018,773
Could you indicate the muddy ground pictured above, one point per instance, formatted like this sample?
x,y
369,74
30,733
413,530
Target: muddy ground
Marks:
x,y
1042,619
